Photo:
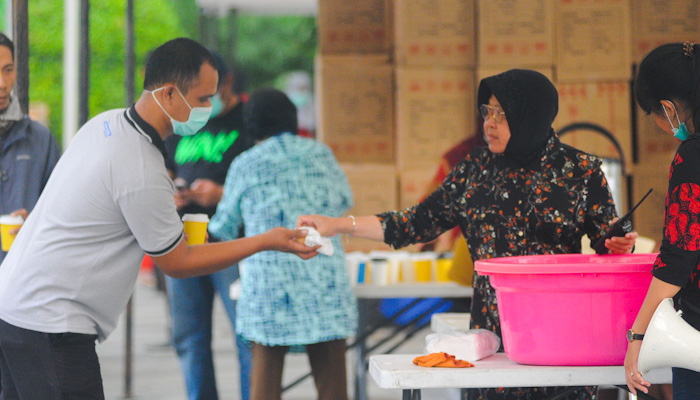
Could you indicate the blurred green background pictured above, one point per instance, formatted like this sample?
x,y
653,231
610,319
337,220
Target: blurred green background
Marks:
x,y
265,47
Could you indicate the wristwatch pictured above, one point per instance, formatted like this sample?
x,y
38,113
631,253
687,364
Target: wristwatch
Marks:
x,y
634,336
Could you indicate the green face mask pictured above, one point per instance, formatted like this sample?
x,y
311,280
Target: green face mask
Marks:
x,y
681,133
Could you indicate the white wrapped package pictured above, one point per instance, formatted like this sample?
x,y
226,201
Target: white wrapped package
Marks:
x,y
313,238
471,345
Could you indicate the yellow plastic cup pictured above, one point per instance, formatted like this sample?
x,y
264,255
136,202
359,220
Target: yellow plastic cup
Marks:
x,y
424,270
195,226
443,269
8,223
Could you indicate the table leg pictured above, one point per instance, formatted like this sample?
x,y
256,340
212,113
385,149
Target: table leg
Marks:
x,y
411,394
640,395
563,394
361,352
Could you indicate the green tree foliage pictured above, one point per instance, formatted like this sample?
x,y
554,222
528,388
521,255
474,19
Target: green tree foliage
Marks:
x,y
155,22
269,46
266,47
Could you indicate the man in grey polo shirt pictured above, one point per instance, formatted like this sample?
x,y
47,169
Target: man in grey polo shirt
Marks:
x,y
73,265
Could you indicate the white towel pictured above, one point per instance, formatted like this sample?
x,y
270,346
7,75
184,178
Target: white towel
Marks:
x,y
472,345
313,238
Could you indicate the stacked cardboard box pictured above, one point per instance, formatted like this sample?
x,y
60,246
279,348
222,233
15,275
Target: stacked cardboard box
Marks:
x,y
435,110
355,98
355,103
604,103
648,219
659,22
413,185
374,188
358,26
593,40
386,107
435,56
397,80
593,47
515,32
431,33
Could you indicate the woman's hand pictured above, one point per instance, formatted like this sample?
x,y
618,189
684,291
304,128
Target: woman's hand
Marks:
x,y
622,244
285,240
367,227
326,226
634,378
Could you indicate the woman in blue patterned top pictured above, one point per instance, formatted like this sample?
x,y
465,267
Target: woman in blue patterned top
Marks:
x,y
284,300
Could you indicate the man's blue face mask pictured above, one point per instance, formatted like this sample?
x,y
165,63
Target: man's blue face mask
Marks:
x,y
681,133
199,116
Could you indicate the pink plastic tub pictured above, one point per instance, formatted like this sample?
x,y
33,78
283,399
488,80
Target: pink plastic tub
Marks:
x,y
570,309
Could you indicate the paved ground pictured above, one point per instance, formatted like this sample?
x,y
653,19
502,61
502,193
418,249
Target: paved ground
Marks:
x,y
156,373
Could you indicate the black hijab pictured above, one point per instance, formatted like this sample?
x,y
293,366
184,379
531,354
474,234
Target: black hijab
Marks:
x,y
530,102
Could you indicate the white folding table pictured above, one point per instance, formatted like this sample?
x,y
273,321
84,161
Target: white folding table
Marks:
x,y
397,371
425,290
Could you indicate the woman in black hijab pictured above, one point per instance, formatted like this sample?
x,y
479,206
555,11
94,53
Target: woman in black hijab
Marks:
x,y
525,193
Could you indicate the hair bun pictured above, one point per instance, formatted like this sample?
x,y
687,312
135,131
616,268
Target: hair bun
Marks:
x,y
688,48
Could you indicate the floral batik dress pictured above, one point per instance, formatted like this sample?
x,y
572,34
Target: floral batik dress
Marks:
x,y
502,210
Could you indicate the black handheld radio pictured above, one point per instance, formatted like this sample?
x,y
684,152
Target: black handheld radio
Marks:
x,y
619,228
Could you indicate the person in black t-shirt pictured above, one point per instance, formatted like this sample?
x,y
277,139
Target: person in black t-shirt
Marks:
x,y
199,164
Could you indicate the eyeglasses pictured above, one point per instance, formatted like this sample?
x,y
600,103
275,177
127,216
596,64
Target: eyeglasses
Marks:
x,y
487,111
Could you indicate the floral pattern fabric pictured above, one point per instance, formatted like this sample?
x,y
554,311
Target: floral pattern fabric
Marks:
x,y
505,211
679,258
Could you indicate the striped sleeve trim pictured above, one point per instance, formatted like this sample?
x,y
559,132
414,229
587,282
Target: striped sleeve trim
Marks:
x,y
167,249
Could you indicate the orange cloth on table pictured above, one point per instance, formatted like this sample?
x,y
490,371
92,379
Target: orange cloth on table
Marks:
x,y
442,360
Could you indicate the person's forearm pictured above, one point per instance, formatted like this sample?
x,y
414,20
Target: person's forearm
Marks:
x,y
367,227
187,261
658,290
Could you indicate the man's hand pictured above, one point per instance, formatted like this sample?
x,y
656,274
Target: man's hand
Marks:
x,y
206,192
21,212
285,240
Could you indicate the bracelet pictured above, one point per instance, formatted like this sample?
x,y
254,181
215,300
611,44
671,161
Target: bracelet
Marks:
x,y
354,224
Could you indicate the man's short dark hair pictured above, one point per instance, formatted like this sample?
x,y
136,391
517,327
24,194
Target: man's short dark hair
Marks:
x,y
176,61
269,112
5,41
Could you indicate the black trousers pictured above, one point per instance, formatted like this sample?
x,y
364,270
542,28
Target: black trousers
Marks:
x,y
48,366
